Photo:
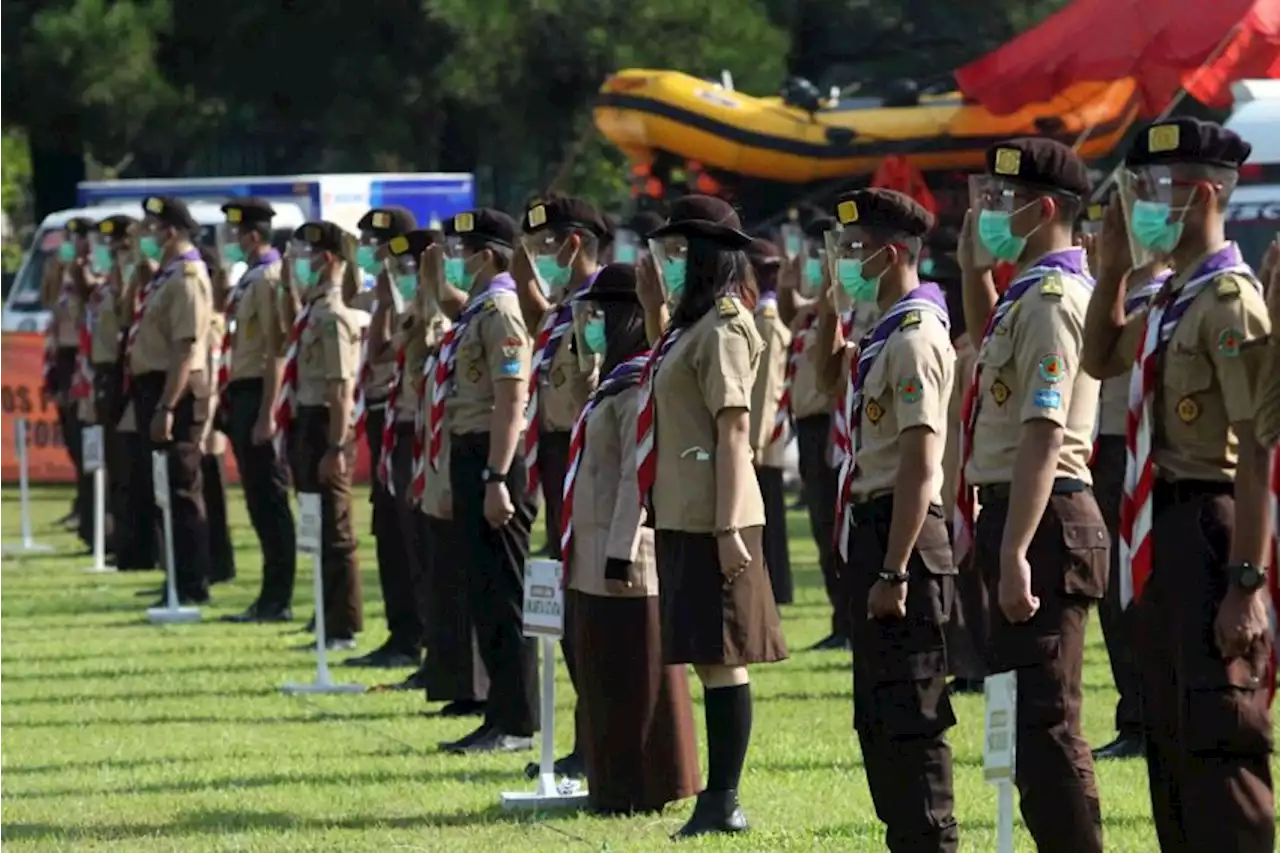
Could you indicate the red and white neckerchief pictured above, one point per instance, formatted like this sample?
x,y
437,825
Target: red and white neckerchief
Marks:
x,y
646,423
623,376
224,353
418,483
82,384
447,361
1137,511
927,298
965,514
1273,573
364,375
842,412
282,409
389,424
142,300
785,414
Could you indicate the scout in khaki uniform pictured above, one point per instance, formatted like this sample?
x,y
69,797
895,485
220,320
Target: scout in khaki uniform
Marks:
x,y
1195,552
222,554
314,411
377,368
901,583
481,379
766,394
563,238
694,452
1040,540
637,722
249,379
166,359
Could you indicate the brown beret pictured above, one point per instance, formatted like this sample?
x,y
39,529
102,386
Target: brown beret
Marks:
x,y
325,236
1044,164
170,211
763,252
117,227
705,217
80,226
564,212
884,209
485,226
386,222
820,225
248,210
1188,140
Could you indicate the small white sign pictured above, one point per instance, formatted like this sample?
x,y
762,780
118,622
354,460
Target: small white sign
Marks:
x,y
160,478
1000,733
91,449
309,522
543,599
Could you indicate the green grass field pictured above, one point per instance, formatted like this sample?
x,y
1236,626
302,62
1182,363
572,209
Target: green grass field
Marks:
x,y
120,735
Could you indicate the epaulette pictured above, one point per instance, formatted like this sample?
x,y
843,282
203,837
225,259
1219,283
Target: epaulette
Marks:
x,y
1051,284
769,312
727,306
909,319
1228,288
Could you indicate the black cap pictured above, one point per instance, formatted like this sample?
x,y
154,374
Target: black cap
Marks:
x,y
81,226
485,226
763,252
117,227
820,225
564,212
705,217
248,211
171,211
386,222
414,243
325,236
645,222
1188,140
1043,164
884,209
614,283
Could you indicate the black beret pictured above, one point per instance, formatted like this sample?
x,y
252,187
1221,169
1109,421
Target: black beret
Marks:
x,y
558,213
170,211
325,236
1188,140
706,217
414,243
117,227
80,225
820,225
614,283
805,214
645,221
387,222
485,226
1040,163
763,252
248,210
884,209
943,238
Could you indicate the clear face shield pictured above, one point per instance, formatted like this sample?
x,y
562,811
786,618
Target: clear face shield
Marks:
x,y
626,246
671,258
151,238
452,266
815,259
995,204
367,253
229,248
306,265
850,255
101,258
1157,202
402,270
792,240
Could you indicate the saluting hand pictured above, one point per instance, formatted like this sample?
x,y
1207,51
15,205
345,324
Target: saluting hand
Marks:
x,y
498,508
887,600
649,287
1241,623
966,251
1115,259
1016,601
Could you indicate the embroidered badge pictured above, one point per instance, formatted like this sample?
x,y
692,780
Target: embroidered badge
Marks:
x,y
1052,369
1163,137
1046,398
155,205
847,211
727,306
537,216
474,373
1051,285
557,377
464,222
911,389
235,215
399,244
1008,161
510,367
999,392
1229,342
1188,410
769,312
909,319
874,411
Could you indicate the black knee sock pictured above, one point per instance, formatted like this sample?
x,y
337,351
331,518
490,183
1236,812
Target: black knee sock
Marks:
x,y
728,734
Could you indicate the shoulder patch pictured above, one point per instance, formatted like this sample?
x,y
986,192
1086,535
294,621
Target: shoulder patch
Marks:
x,y
1228,288
1048,399
1051,368
727,306
490,304
1051,284
909,319
910,389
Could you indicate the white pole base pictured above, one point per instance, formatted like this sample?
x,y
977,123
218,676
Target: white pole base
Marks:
x,y
539,801
27,548
294,688
99,569
172,615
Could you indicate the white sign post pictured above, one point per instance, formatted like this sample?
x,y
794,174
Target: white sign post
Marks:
x,y
173,611
309,539
544,619
93,461
999,750
28,545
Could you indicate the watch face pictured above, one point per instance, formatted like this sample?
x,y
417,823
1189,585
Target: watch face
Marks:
x,y
1250,577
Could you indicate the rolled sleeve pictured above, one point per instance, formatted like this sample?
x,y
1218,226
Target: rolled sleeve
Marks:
x,y
507,346
727,369
1235,332
1047,341
920,397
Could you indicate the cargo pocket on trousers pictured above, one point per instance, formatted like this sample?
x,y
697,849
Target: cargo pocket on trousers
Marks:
x,y
1227,710
911,697
1088,559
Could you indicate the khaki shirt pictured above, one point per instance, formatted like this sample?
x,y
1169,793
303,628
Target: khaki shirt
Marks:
x,y
765,394
256,319
495,347
607,518
328,349
565,387
67,314
710,368
418,339
382,370
909,386
1031,371
105,340
179,309
1208,373
966,358
806,397
437,493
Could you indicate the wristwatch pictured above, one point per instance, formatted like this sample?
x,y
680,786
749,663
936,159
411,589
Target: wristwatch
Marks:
x,y
893,577
1247,576
492,476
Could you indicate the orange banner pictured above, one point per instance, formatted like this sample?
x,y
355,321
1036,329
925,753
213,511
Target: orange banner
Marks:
x,y
21,396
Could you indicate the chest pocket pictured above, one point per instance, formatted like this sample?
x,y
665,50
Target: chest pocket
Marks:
x,y
875,398
309,344
1187,371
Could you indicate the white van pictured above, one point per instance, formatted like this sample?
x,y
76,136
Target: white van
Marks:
x,y
1253,217
22,310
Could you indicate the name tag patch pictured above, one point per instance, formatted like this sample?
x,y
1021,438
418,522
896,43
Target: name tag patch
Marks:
x,y
1048,399
510,367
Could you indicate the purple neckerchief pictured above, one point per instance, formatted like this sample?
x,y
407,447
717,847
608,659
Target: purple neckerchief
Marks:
x,y
499,283
163,273
926,297
1227,259
563,315
270,256
1139,297
766,300
625,374
1065,260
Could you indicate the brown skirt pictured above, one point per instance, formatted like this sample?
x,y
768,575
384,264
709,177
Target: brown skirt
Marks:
x,y
703,622
636,717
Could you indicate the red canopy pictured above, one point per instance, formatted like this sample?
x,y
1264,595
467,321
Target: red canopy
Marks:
x,y
1160,43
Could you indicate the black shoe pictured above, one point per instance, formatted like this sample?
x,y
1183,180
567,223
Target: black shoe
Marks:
x,y
463,708
417,681
1126,745
462,743
257,614
967,686
310,627
384,657
184,600
716,812
223,578
832,642
494,740
573,766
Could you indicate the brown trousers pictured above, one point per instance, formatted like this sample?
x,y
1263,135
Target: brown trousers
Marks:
x,y
901,708
1054,772
1208,729
340,568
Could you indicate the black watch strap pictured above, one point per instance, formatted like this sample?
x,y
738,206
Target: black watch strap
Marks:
x,y
492,476
893,577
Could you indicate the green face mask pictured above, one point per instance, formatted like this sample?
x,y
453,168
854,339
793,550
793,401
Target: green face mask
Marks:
x,y
232,253
67,252
551,273
407,284
303,274
593,335
101,260
673,272
150,247
855,283
454,272
366,259
813,272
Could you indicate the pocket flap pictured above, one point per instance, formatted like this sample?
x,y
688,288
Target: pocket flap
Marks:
x,y
1188,371
1080,536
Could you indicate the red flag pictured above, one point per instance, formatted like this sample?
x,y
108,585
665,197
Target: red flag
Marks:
x,y
895,172
1251,53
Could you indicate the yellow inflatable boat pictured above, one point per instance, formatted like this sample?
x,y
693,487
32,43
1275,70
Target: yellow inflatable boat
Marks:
x,y
646,112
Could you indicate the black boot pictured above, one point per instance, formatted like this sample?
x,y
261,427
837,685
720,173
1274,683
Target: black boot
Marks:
x,y
716,811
